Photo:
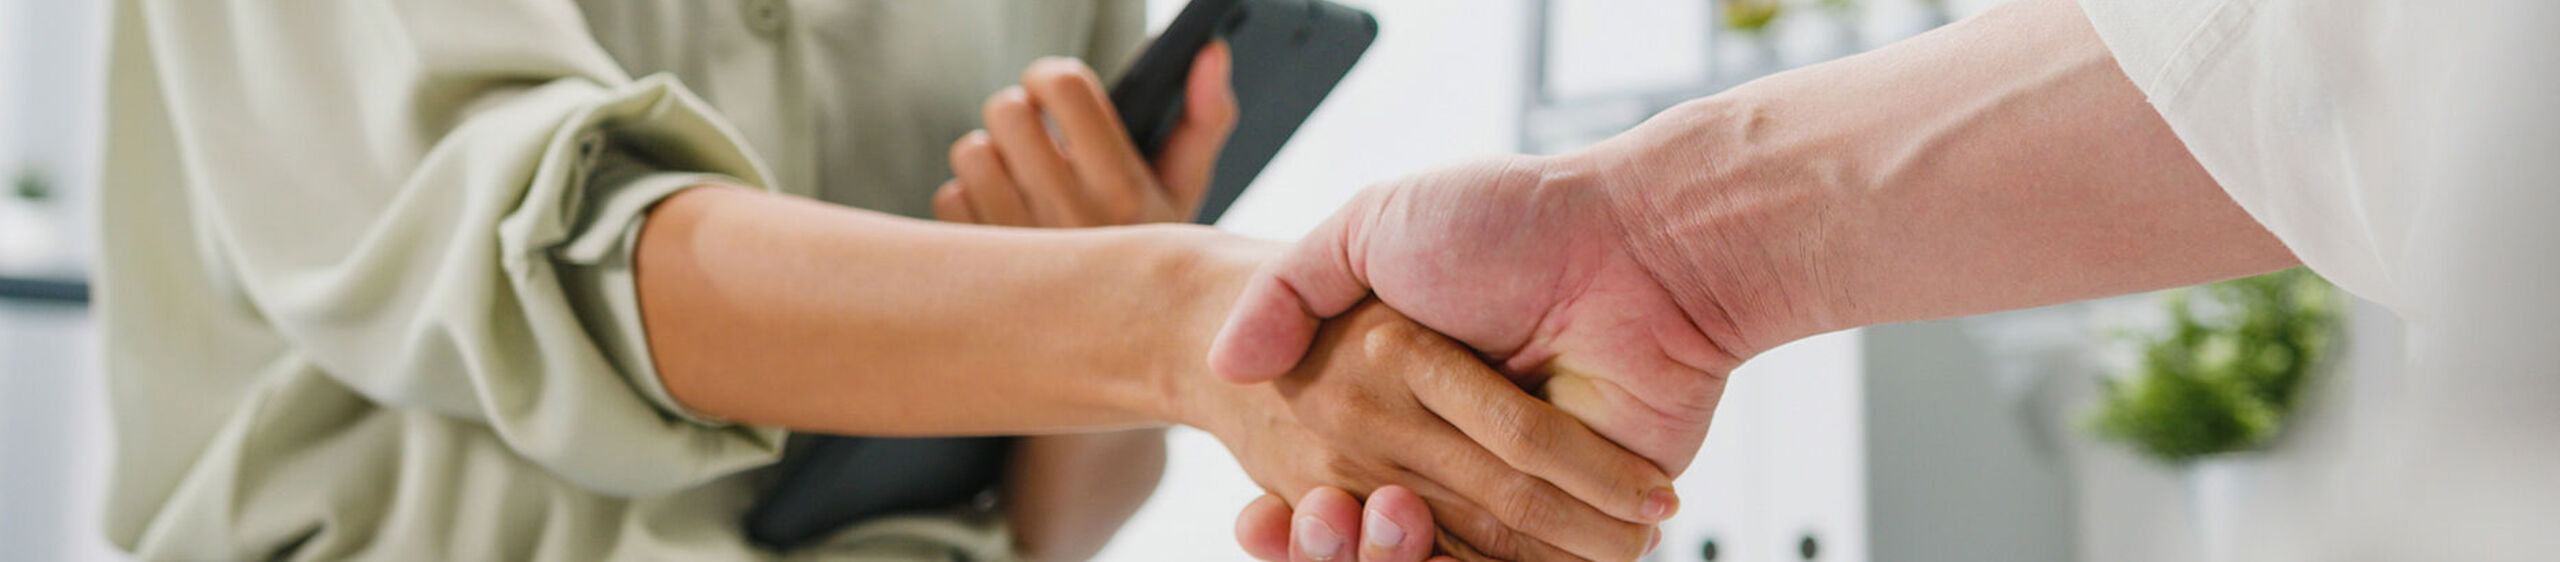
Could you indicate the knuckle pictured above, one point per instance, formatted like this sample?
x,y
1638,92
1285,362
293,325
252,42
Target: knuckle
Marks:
x,y
1489,536
1518,426
1393,338
1521,502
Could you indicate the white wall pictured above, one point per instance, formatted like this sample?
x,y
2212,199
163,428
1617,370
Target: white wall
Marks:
x,y
53,427
52,83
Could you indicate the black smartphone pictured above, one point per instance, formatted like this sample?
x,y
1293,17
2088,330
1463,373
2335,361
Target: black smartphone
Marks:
x,y
1288,55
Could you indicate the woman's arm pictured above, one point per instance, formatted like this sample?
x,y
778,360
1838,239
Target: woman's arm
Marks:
x,y
773,310
769,309
1066,494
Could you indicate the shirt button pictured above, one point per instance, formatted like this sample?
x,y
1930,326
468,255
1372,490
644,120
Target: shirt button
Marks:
x,y
766,17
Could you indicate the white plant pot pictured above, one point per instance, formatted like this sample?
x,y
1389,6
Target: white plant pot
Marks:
x,y
2220,492
31,240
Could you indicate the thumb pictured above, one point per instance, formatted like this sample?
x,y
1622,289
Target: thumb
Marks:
x,y
1209,111
1276,317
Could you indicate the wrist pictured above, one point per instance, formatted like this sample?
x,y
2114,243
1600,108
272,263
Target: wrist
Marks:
x,y
1200,272
1737,215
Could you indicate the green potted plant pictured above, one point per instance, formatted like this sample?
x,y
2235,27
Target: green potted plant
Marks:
x,y
28,237
2217,387
2227,371
31,186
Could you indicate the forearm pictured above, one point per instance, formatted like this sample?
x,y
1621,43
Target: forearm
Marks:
x,y
2002,162
1067,494
773,310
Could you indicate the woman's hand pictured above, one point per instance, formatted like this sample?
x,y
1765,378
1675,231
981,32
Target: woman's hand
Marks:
x,y
1270,529
1329,520
1085,171
1381,401
1066,494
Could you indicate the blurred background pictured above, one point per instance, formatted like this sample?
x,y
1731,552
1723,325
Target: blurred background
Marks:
x,y
2029,436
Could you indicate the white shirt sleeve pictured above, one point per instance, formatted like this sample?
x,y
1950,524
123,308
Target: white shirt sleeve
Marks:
x,y
2283,102
2406,150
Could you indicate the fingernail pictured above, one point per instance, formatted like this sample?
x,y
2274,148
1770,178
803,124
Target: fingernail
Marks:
x,y
1317,540
1656,541
1383,534
1660,504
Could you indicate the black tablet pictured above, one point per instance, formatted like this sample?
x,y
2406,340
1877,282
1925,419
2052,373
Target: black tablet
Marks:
x,y
1288,55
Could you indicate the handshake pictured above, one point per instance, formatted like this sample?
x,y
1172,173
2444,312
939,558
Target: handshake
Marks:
x,y
1486,353
1482,288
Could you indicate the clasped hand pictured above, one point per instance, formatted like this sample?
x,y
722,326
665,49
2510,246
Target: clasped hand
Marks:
x,y
1455,457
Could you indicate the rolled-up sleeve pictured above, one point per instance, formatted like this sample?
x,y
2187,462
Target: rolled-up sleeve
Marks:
x,y
435,202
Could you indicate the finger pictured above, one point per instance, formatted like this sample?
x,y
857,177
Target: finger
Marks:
x,y
1046,181
1525,503
1394,526
1326,524
988,187
1463,462
1537,438
1276,317
1106,161
1263,528
1209,114
1468,531
950,206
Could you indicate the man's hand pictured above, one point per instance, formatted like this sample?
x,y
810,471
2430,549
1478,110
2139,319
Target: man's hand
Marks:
x,y
1383,402
1640,270
1525,263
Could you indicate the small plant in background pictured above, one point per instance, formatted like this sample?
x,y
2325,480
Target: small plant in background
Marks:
x,y
1752,16
1837,5
2226,374
31,185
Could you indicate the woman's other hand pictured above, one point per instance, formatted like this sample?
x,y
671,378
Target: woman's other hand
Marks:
x,y
1067,494
1382,402
1271,529
1328,523
1078,167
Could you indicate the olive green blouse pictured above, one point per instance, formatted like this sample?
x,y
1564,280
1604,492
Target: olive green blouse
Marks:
x,y
365,289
